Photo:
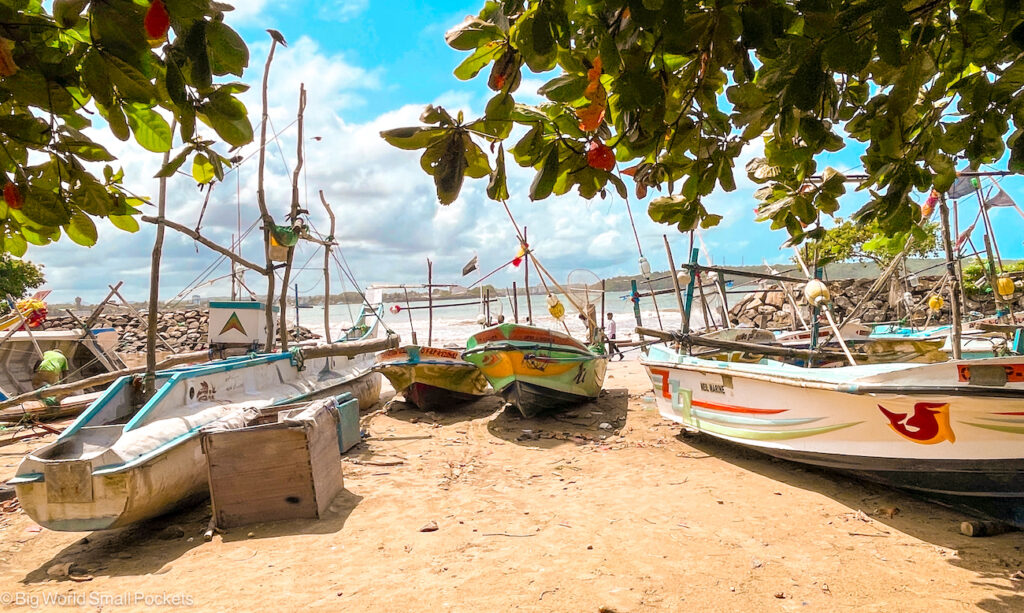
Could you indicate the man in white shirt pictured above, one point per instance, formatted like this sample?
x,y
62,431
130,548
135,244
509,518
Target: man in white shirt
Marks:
x,y
609,329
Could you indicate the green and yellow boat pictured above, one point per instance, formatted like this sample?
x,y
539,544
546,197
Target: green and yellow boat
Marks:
x,y
537,370
431,378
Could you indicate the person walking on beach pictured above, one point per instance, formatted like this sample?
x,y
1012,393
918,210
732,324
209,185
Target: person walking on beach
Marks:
x,y
609,328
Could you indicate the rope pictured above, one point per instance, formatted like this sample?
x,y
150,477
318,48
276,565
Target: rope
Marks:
x,y
297,359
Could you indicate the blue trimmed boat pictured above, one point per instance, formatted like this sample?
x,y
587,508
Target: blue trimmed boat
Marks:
x,y
119,463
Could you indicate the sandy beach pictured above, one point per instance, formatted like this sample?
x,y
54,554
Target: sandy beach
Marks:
x,y
605,508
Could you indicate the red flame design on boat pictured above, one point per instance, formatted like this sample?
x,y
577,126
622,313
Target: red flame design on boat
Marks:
x,y
927,425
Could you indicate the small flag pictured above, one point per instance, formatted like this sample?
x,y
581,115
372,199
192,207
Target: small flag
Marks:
x,y
1001,198
929,204
966,234
470,266
961,187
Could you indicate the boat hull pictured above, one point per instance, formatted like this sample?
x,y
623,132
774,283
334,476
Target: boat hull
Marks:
x,y
432,378
916,427
537,370
115,466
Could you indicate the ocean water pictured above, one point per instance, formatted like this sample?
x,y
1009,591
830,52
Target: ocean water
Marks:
x,y
455,321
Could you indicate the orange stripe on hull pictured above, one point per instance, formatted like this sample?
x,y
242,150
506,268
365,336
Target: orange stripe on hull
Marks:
x,y
733,409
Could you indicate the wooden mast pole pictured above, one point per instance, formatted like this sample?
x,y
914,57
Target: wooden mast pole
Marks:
x,y
327,270
675,275
149,380
526,279
430,303
293,216
955,299
261,196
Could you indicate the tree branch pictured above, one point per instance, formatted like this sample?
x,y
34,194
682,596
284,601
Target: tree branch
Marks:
x,y
205,241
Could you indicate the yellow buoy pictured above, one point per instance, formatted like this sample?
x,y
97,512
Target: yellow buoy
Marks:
x,y
935,303
1004,285
555,307
817,292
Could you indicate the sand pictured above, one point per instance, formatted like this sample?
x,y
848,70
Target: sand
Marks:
x,y
551,519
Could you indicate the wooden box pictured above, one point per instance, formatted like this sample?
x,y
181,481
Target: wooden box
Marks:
x,y
285,470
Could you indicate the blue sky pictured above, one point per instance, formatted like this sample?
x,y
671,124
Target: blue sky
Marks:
x,y
370,65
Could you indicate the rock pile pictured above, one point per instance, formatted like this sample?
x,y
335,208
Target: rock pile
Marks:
x,y
770,308
183,330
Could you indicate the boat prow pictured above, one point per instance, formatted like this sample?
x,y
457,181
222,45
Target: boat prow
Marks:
x,y
432,378
537,370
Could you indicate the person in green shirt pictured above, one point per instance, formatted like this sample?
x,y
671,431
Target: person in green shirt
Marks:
x,y
51,369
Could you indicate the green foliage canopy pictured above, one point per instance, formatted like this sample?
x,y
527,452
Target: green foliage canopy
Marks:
x,y
678,89
17,277
849,240
130,64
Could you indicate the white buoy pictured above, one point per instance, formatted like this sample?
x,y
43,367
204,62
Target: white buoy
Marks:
x,y
817,292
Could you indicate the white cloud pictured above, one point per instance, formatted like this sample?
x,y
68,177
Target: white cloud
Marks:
x,y
343,10
246,11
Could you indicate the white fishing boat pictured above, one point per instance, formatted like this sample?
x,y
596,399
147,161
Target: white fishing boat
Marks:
x,y
119,463
87,355
952,431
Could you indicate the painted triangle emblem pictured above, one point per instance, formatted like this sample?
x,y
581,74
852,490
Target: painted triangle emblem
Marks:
x,y
233,323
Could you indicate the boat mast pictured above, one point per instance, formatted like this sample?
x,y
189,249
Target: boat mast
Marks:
x,y
149,380
293,217
327,270
261,196
954,302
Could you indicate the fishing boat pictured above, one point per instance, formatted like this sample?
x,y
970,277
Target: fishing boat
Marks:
x,y
120,463
87,355
432,377
537,370
951,431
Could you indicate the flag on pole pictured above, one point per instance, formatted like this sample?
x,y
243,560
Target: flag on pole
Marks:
x,y
470,266
962,187
1001,198
966,234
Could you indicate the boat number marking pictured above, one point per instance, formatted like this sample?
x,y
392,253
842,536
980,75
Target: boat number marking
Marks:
x,y
712,387
205,392
928,424
1014,372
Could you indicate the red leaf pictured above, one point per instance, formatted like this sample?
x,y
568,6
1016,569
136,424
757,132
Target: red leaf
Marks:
x,y
590,116
157,20
12,195
600,156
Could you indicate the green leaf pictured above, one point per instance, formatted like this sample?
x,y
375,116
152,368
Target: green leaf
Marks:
x,y
472,33
497,186
43,207
472,65
150,128
14,244
450,168
411,139
197,69
545,179
125,222
92,197
81,229
565,88
228,117
129,81
174,81
202,169
116,120
174,164
227,50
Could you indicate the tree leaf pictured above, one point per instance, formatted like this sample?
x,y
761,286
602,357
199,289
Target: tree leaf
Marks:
x,y
150,128
202,169
129,81
81,229
411,139
125,222
172,166
497,186
472,65
545,179
227,51
472,33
